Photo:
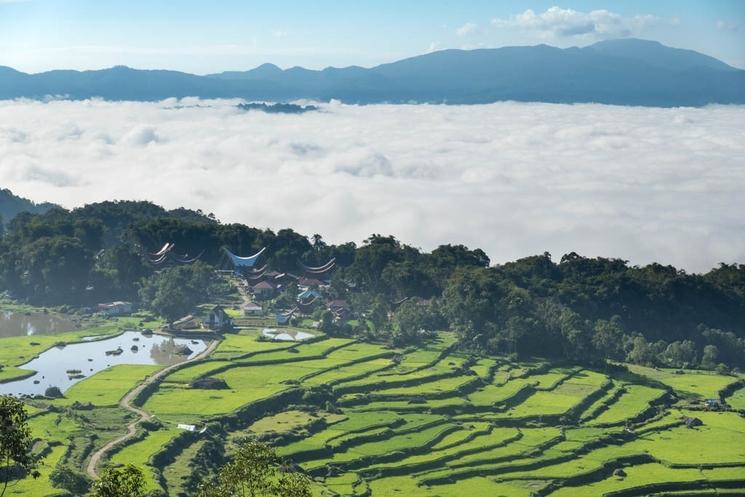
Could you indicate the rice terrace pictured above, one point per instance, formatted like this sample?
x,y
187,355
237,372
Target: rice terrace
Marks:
x,y
371,419
372,248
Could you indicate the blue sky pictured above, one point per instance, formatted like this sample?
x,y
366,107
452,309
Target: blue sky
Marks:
x,y
210,36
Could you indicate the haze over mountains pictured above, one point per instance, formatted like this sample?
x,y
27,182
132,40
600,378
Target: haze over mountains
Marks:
x,y
623,72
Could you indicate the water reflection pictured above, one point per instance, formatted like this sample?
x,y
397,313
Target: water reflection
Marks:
x,y
13,324
171,351
286,335
131,347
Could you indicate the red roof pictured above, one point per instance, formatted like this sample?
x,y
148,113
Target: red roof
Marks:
x,y
310,282
264,285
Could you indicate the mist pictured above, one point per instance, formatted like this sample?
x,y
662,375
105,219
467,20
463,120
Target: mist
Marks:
x,y
515,179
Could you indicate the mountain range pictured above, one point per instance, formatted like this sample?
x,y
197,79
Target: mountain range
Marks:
x,y
623,72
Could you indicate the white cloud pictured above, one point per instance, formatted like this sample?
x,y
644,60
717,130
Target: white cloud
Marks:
x,y
433,47
467,29
557,23
644,184
727,26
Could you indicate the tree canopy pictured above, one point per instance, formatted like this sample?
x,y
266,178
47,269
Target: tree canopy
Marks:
x,y
580,308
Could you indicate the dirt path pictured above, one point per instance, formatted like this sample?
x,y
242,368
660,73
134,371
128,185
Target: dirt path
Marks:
x,y
126,403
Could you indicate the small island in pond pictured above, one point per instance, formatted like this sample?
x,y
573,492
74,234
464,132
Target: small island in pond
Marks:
x,y
278,108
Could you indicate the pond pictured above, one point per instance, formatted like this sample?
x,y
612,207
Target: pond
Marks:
x,y
287,336
13,324
131,347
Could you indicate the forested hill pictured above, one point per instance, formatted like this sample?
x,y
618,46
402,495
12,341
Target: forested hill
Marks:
x,y
578,308
11,206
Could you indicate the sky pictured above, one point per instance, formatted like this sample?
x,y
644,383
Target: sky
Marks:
x,y
515,179
205,37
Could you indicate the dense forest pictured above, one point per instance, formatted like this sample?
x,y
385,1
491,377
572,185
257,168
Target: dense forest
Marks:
x,y
581,309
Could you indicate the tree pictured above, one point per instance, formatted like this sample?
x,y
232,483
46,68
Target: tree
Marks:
x,y
709,357
53,393
119,482
175,291
16,443
608,338
256,471
680,354
641,352
379,315
72,481
327,322
412,322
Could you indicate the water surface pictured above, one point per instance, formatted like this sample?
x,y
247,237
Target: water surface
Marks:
x,y
90,357
286,335
13,324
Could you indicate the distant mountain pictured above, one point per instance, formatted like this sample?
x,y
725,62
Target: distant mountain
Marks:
x,y
12,205
277,108
623,72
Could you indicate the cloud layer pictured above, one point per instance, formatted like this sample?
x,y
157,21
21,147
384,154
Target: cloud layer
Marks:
x,y
557,23
514,179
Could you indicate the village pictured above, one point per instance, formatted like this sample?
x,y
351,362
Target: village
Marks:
x,y
260,287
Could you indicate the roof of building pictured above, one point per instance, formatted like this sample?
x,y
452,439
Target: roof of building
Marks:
x,y
264,285
245,262
310,293
310,282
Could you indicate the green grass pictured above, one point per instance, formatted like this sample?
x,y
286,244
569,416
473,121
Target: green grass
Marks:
x,y
140,452
246,343
107,387
702,384
631,403
646,474
737,399
282,422
387,422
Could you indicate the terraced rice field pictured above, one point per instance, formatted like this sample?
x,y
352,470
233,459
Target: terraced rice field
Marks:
x,y
367,420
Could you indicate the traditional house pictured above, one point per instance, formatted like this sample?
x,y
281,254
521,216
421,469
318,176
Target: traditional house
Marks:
x,y
319,272
246,265
218,319
115,308
304,282
308,306
341,309
308,295
284,318
189,322
252,309
264,290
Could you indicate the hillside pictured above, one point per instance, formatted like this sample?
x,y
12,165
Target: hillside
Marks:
x,y
12,205
624,72
363,419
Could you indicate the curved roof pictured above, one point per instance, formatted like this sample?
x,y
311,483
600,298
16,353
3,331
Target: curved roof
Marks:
x,y
244,262
164,250
319,269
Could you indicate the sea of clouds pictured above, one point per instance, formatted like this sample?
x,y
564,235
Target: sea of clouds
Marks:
x,y
642,184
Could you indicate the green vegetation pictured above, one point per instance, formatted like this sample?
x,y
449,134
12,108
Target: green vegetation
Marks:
x,y
578,377
107,387
140,453
584,309
119,482
366,419
16,444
